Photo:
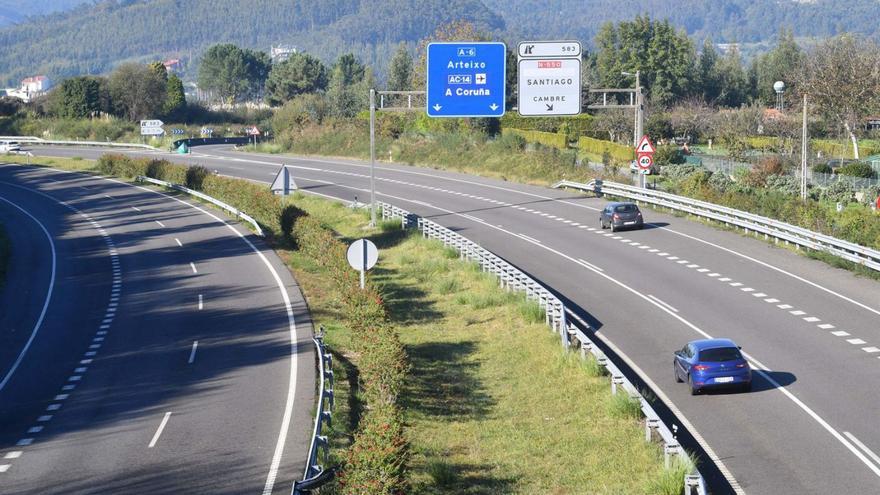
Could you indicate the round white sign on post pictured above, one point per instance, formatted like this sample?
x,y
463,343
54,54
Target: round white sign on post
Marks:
x,y
362,255
645,162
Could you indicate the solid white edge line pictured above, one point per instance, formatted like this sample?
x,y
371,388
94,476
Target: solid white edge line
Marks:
x,y
662,302
862,446
589,265
46,302
159,431
291,391
201,305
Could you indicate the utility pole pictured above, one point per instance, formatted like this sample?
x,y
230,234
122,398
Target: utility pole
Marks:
x,y
372,157
804,138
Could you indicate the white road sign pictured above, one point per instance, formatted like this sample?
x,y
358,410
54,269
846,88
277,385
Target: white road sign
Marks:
x,y
152,131
549,86
283,183
549,49
645,161
362,255
152,123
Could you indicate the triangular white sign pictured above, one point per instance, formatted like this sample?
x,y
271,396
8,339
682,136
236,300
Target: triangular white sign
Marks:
x,y
283,183
645,145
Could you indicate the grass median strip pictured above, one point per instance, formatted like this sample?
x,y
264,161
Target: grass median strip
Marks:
x,y
491,403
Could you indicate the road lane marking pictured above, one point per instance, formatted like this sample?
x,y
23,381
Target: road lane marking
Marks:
x,y
160,224
589,265
862,446
159,431
178,242
826,326
662,303
193,266
530,239
200,302
49,292
856,341
35,429
136,208
797,312
5,467
24,442
192,354
785,306
44,418
811,319
15,454
870,350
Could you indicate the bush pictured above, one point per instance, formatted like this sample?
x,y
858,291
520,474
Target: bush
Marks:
x,y
195,176
839,192
289,215
720,182
681,171
551,139
619,152
156,169
857,169
376,462
668,155
785,184
822,168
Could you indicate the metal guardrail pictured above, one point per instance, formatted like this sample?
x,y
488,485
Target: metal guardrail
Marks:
x,y
749,222
36,140
315,475
572,330
231,209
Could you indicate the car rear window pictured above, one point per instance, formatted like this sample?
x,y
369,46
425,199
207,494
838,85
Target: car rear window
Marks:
x,y
626,208
719,354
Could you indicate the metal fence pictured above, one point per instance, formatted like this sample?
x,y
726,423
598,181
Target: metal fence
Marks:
x,y
572,330
37,140
749,222
315,474
231,209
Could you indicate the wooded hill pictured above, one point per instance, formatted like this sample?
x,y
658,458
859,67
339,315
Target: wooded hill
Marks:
x,y
93,38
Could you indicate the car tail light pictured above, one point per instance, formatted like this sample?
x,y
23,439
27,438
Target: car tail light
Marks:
x,y
639,214
741,365
615,217
701,367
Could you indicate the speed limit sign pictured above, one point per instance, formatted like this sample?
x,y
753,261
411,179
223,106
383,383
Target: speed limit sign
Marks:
x,y
645,161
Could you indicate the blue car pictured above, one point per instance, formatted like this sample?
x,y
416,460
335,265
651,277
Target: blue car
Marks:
x,y
712,363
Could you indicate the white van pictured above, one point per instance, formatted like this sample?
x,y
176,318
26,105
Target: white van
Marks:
x,y
7,146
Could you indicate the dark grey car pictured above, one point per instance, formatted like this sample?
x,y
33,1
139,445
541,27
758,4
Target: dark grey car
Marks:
x,y
621,216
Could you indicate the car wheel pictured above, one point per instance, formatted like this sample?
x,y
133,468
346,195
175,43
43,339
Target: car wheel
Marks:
x,y
694,391
613,228
602,224
675,372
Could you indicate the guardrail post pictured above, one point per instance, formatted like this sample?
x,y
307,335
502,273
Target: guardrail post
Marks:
x,y
651,424
616,381
694,482
670,449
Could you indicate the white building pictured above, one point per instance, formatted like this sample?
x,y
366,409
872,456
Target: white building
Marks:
x,y
31,87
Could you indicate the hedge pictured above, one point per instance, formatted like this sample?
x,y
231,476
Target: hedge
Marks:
x,y
618,152
551,139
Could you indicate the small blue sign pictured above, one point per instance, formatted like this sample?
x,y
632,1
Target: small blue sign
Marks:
x,y
466,79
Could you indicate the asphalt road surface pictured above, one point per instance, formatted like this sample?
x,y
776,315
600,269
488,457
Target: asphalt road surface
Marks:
x,y
147,345
808,426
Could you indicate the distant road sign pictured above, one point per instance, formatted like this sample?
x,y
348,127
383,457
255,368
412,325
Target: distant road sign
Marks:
x,y
549,86
152,123
253,131
645,161
152,131
645,146
466,79
549,49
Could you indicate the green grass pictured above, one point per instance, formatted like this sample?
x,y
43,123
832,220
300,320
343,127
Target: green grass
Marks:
x,y
75,164
5,254
492,405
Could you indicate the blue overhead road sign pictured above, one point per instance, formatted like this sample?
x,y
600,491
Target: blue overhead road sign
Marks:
x,y
466,79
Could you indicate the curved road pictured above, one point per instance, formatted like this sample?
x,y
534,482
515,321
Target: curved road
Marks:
x,y
165,350
809,426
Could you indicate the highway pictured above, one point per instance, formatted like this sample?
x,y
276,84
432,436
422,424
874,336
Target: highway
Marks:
x,y
147,345
809,426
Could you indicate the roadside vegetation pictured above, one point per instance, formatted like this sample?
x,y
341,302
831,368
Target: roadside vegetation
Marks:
x,y
445,383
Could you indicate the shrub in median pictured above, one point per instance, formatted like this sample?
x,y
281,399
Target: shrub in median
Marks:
x,y
195,176
376,462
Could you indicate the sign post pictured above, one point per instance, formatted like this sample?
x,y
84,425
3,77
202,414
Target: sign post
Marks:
x,y
152,128
362,255
549,78
466,79
644,158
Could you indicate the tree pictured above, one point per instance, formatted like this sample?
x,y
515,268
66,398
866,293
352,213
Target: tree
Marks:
x,y
159,69
732,79
400,71
175,99
779,64
137,91
232,72
76,98
300,74
350,84
664,57
841,77
707,84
